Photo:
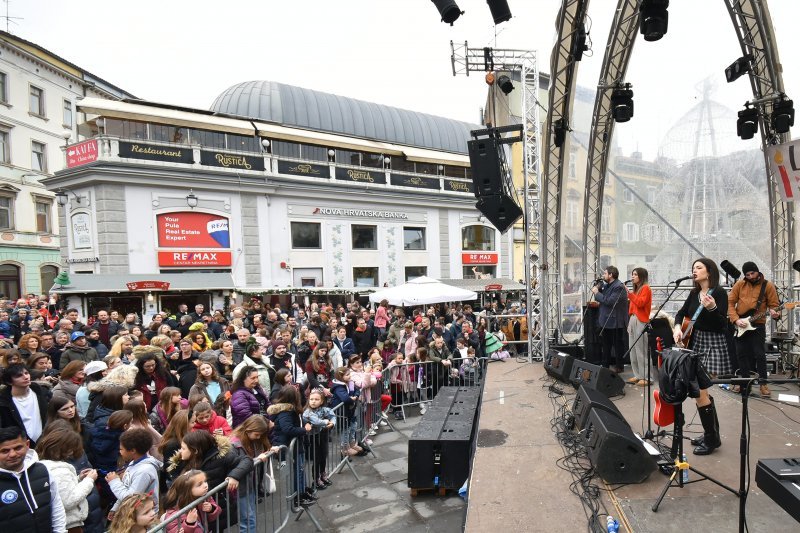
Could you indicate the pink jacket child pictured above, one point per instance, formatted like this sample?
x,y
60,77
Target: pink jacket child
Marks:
x,y
183,526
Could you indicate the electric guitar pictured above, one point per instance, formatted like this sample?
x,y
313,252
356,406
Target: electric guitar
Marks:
x,y
750,318
664,413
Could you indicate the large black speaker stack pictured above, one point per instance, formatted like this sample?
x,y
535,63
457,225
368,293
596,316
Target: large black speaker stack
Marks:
x,y
488,177
617,455
558,364
597,377
440,449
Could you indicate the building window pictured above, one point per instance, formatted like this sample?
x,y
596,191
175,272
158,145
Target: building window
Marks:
x,y
573,166
413,238
47,275
6,212
67,114
243,143
208,139
287,149
312,152
365,276
572,213
169,134
605,220
3,87
306,235
9,281
126,129
36,101
427,168
651,195
5,149
479,272
627,195
307,277
477,238
43,216
651,233
38,156
372,160
401,164
630,232
415,272
453,172
364,237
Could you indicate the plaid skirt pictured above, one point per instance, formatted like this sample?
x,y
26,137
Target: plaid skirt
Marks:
x,y
713,350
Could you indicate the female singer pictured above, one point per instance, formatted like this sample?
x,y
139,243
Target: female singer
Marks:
x,y
641,300
707,306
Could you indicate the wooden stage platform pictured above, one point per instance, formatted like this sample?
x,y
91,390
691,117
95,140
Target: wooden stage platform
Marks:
x,y
516,484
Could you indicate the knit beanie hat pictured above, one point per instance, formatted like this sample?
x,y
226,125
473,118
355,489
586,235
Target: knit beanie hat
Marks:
x,y
749,266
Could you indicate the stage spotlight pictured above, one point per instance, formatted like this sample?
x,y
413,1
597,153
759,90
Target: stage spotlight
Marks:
x,y
796,265
730,270
559,132
448,10
622,104
653,19
747,124
579,44
738,67
504,82
782,115
500,10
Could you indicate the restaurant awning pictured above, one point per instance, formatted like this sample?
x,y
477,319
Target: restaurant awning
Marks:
x,y
486,285
93,283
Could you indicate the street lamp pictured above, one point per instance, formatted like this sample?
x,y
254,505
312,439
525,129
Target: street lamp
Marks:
x,y
191,199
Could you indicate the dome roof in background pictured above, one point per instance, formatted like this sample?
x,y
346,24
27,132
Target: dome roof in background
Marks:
x,y
304,108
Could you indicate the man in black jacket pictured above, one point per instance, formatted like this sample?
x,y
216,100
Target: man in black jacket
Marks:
x,y
30,499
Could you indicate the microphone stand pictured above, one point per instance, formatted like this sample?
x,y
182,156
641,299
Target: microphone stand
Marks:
x,y
648,328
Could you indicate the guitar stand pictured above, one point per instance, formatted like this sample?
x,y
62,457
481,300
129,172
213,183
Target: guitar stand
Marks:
x,y
676,478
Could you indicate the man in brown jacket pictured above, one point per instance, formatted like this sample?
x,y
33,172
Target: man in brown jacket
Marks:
x,y
747,294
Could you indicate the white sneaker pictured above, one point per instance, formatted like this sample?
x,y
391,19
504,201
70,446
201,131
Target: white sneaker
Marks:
x,y
383,423
384,416
422,409
372,432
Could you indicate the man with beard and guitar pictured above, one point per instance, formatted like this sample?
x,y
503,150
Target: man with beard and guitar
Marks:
x,y
751,300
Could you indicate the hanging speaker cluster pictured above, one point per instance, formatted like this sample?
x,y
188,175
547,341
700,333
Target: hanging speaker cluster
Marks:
x,y
489,177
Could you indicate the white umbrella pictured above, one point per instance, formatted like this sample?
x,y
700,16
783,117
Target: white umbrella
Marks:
x,y
422,291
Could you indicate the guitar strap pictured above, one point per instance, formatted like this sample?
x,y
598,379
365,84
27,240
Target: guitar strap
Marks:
x,y
760,296
699,309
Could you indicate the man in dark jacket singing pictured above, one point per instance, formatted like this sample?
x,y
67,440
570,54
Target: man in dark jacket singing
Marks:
x,y
613,317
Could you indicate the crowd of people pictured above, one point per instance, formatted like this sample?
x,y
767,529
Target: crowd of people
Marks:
x,y
110,423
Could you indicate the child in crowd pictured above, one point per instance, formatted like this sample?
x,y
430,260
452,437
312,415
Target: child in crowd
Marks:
x,y
141,471
136,514
342,394
286,413
207,419
140,420
469,368
252,438
399,383
186,488
424,379
322,419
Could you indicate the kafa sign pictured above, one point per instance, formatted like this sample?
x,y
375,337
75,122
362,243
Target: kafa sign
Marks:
x,y
201,258
148,285
189,229
81,153
784,160
479,258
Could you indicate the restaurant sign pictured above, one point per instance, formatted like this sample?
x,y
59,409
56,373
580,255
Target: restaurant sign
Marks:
x,y
418,182
362,176
148,285
309,170
152,152
226,160
458,186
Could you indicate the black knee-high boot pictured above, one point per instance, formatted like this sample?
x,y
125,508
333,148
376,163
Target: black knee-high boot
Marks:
x,y
711,440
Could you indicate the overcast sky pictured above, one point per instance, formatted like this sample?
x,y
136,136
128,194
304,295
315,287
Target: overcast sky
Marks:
x,y
393,52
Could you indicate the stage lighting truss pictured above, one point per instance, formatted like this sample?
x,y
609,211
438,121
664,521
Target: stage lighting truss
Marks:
x,y
782,115
449,10
579,45
738,68
747,123
653,19
622,103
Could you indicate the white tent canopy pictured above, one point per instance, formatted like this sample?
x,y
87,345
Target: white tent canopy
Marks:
x,y
422,291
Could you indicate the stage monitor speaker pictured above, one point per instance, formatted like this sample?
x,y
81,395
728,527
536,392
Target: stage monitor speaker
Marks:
x,y
575,350
558,365
596,377
484,159
501,210
616,454
587,399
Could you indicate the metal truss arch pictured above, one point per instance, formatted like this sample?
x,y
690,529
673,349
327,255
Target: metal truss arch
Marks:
x,y
561,95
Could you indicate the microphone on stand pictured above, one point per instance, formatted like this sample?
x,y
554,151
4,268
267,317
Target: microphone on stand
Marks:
x,y
681,280
627,281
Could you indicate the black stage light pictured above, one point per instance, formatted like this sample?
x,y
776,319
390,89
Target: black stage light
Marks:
x,y
622,104
559,132
448,10
738,68
653,19
504,82
730,270
747,124
796,265
782,115
500,10
579,44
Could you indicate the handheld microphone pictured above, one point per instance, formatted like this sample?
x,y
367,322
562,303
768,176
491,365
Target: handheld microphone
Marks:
x,y
627,281
681,280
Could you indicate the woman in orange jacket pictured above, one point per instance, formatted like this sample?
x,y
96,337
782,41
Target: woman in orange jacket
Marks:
x,y
641,300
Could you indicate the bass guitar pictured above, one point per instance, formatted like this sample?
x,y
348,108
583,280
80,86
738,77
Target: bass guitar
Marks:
x,y
751,318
